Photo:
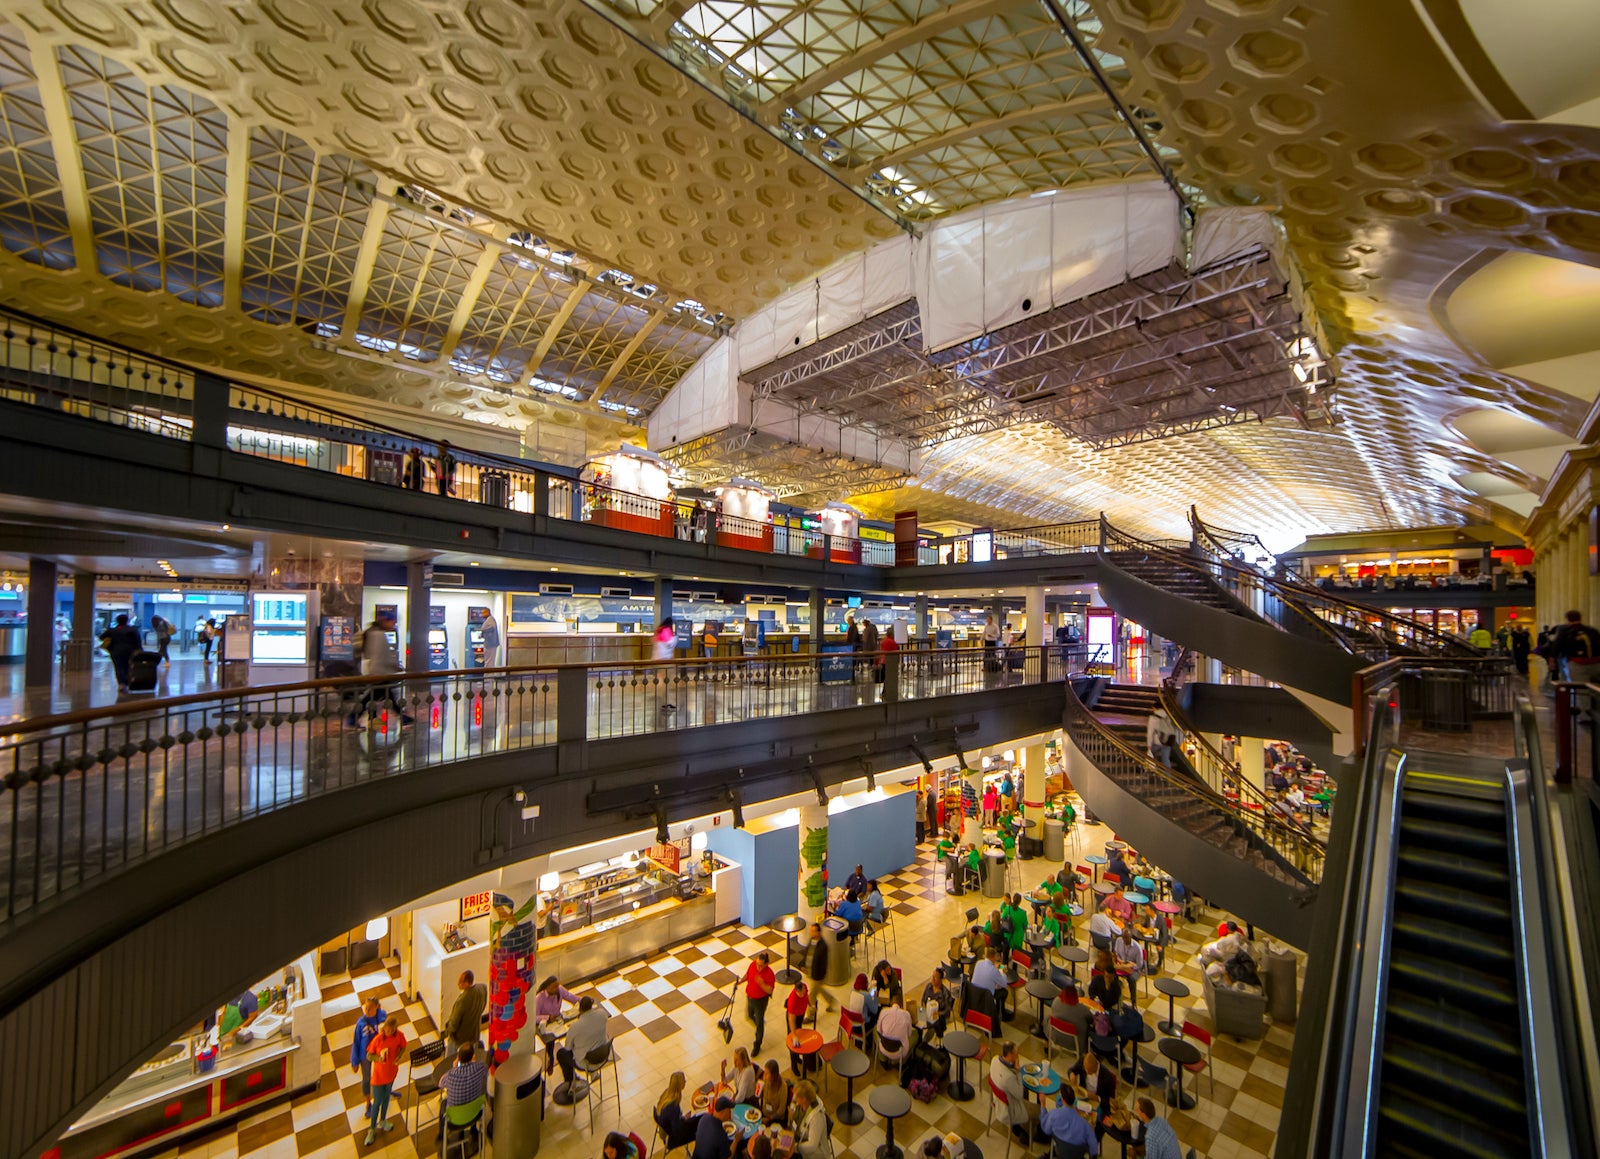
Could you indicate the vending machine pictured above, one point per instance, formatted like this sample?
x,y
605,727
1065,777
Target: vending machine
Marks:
x,y
475,618
438,640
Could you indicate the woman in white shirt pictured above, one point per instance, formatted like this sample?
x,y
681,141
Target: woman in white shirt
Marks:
x,y
743,1078
810,1124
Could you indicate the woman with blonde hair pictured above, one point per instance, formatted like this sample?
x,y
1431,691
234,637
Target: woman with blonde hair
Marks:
x,y
675,1128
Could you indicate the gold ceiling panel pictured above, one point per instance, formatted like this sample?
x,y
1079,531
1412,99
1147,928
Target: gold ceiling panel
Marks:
x,y
540,114
1389,176
925,106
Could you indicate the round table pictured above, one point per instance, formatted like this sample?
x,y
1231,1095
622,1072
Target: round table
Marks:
x,y
1072,955
1115,847
891,1102
850,1065
1144,884
1131,1072
788,925
1183,1053
1166,907
1104,888
741,1124
1097,861
962,1045
1172,988
1044,990
968,961
1136,897
1040,943
804,1044
1043,1082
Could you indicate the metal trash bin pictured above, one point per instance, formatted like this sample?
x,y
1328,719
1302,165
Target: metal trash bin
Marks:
x,y
1279,981
1055,844
1446,703
838,958
994,873
77,655
494,489
518,1106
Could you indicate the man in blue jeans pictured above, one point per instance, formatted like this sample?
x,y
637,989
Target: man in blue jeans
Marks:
x,y
372,1016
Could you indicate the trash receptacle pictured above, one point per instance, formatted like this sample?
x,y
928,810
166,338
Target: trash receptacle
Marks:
x,y
838,958
1279,983
1054,839
518,1105
1445,703
994,873
77,655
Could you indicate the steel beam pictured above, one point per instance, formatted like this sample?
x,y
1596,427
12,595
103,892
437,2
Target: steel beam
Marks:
x,y
64,143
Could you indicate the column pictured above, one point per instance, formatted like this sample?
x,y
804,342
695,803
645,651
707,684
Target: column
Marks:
x,y
1035,772
419,594
39,655
663,599
83,606
210,414
816,620
811,889
1034,637
924,625
971,807
1251,755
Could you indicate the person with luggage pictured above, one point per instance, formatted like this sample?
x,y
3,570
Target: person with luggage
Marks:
x,y
121,642
1577,648
378,658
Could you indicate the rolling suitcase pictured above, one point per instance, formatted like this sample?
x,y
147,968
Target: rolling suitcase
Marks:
x,y
142,668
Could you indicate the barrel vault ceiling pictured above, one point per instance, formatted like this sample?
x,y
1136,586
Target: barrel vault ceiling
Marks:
x,y
543,212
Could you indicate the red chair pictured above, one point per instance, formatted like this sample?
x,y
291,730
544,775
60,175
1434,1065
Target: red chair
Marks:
x,y
1200,1034
638,1146
979,1021
997,1098
825,1056
1113,878
1023,961
852,1026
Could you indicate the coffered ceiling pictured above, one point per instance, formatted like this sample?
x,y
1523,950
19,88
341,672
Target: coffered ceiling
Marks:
x,y
543,212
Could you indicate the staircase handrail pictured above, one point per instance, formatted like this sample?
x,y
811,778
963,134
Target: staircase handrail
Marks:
x,y
1222,542
1394,628
1271,832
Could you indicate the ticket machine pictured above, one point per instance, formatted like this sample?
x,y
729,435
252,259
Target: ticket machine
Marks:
x,y
475,618
438,640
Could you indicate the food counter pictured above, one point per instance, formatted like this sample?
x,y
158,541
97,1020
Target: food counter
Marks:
x,y
603,918
184,1088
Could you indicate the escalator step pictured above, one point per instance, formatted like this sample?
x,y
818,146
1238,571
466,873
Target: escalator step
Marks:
x,y
1449,942
1489,877
1441,1131
1492,1096
1452,904
1448,837
1482,812
1455,983
1479,1035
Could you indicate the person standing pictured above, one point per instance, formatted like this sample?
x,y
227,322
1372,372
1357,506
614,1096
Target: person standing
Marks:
x,y
366,1029
444,465
991,642
120,642
759,983
208,637
415,470
1521,645
387,1049
491,639
466,1014
852,637
1577,648
162,627
664,647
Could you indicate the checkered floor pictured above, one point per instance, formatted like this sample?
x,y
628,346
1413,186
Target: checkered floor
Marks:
x,y
665,1015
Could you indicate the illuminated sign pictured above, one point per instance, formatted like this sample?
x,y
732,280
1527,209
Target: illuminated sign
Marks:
x,y
476,905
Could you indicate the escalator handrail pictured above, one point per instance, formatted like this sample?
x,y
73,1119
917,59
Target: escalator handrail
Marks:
x,y
1578,1072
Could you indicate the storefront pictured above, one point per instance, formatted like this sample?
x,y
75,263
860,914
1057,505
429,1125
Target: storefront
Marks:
x,y
213,1073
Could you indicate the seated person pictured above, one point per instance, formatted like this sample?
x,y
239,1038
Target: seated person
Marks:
x,y
856,883
1069,1132
874,906
1118,865
810,1124
1006,1075
894,1023
1105,987
1090,1080
1051,927
774,1094
998,931
744,1076
587,1033
1296,798
972,942
885,984
675,1127
1052,885
849,910
1119,907
938,999
1102,930
974,860
711,1139
465,1082
1066,1008
1127,952
1229,941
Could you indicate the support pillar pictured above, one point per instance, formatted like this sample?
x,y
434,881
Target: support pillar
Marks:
x,y
419,595
663,600
83,606
1033,634
1033,795
924,627
811,887
971,807
1251,754
39,654
817,604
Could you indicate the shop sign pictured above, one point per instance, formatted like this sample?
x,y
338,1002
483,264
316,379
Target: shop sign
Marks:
x,y
475,905
666,855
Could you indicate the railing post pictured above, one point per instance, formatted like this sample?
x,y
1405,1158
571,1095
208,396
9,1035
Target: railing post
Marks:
x,y
572,704
1564,725
210,412
541,494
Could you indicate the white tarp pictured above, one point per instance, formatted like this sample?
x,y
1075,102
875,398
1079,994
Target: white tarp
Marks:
x,y
1228,230
705,399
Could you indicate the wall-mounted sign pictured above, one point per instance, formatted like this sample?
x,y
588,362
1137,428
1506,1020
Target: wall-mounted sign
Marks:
x,y
476,905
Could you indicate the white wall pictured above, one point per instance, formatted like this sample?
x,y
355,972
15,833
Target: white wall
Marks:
x,y
455,603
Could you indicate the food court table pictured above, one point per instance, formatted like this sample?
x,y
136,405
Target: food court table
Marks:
x,y
962,1045
1183,1053
1072,955
1044,990
804,1044
746,1119
850,1065
891,1102
1040,1079
1097,861
1172,988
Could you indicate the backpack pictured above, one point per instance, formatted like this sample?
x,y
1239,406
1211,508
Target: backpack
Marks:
x,y
1583,643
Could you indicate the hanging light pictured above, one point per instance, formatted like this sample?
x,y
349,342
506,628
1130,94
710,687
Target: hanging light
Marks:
x,y
377,928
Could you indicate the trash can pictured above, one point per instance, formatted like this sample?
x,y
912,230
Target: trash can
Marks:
x,y
1055,846
838,958
954,872
77,655
1278,980
1445,703
518,1105
494,489
994,873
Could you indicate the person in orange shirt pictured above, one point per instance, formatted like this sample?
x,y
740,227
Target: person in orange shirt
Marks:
x,y
385,1050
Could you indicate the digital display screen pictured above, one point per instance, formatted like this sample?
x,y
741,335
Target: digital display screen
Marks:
x,y
278,610
278,646
1101,630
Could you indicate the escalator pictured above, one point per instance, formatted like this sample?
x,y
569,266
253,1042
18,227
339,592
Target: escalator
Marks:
x,y
1451,1075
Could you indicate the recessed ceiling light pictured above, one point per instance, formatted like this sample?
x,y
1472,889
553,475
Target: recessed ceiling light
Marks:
x,y
474,563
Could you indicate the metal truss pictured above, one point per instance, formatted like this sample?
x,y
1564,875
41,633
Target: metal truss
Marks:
x,y
792,471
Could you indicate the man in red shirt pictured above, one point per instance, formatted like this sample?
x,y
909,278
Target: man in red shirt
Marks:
x,y
759,983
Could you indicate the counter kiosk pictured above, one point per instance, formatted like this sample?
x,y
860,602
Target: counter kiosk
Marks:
x,y
629,489
842,523
207,1077
746,520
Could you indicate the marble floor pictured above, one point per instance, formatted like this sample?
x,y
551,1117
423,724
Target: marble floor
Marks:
x,y
664,1014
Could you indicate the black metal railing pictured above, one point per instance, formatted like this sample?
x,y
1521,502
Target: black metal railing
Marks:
x,y
1435,693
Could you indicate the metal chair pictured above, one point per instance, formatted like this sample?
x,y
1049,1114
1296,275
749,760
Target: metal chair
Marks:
x,y
593,1070
416,1092
461,1125
997,1098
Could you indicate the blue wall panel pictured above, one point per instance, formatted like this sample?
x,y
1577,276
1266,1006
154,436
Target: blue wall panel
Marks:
x,y
880,836
771,863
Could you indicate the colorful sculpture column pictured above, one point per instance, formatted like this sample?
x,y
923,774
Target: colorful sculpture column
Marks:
x,y
512,954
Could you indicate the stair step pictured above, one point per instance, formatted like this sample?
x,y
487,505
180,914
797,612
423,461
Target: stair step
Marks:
x,y
1438,1130
1455,983
1452,904
1447,941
